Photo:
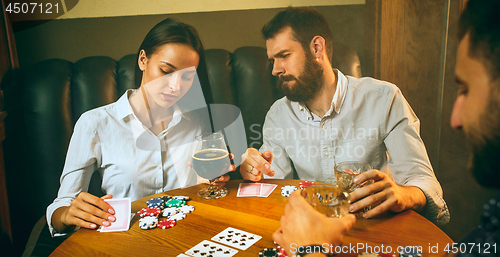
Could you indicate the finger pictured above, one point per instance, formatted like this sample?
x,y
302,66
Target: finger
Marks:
x,y
278,236
111,210
362,203
221,181
82,223
297,201
190,164
371,200
232,167
246,172
95,205
369,189
81,214
371,174
348,222
257,161
268,155
231,156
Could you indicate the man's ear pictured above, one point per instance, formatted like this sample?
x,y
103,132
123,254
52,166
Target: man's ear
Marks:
x,y
317,46
143,59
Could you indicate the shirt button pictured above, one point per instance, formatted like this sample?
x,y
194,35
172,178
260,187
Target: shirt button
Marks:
x,y
329,181
324,126
327,154
159,167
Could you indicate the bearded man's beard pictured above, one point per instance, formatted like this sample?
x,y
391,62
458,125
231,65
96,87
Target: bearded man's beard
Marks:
x,y
484,142
306,85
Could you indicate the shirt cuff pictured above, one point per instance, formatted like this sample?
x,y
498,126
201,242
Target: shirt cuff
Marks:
x,y
435,209
50,210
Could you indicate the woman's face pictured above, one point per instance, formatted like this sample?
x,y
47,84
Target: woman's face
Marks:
x,y
168,73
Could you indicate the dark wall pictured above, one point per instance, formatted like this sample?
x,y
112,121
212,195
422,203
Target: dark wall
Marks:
x,y
73,39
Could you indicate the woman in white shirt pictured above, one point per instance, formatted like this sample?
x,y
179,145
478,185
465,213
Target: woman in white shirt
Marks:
x,y
142,143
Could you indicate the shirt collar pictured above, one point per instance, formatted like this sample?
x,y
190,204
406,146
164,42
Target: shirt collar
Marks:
x,y
340,92
337,101
125,109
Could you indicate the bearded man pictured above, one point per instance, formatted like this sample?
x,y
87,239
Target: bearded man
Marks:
x,y
327,118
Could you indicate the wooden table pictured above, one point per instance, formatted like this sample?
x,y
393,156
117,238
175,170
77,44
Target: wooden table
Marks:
x,y
253,214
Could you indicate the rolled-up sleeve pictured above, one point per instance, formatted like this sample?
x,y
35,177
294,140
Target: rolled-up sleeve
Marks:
x,y
409,162
82,160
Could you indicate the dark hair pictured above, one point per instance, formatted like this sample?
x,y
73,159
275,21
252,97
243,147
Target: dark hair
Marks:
x,y
173,31
306,23
481,18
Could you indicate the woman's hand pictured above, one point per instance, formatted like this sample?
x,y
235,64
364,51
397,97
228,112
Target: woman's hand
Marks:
x,y
86,211
221,181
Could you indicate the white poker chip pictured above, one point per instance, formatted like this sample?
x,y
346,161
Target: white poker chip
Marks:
x,y
186,209
178,216
148,222
287,190
167,212
181,197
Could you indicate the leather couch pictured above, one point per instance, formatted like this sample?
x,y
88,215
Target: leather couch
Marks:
x,y
44,102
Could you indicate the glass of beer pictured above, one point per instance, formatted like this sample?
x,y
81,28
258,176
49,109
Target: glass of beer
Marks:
x,y
210,161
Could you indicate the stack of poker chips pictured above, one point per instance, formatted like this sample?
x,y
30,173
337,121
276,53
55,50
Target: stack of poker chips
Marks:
x,y
287,190
174,208
305,184
273,252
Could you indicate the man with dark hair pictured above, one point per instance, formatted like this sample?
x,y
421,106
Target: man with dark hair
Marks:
x,y
327,118
476,113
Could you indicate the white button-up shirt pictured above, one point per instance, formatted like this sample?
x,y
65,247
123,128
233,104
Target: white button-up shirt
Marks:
x,y
133,162
367,119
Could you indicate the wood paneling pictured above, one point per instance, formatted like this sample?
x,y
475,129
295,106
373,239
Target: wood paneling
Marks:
x,y
410,49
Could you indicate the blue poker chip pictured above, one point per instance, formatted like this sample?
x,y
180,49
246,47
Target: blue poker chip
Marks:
x,y
148,222
156,202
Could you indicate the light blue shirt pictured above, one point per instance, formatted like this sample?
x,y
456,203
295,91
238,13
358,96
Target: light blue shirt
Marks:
x,y
368,121
106,139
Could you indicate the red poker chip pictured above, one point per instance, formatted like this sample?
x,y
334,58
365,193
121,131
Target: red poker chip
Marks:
x,y
164,224
153,211
305,184
281,252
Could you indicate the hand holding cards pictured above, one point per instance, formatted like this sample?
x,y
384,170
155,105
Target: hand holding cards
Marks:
x,y
122,214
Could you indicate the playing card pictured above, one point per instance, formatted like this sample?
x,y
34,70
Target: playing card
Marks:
x,y
267,189
236,238
122,215
207,248
249,189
